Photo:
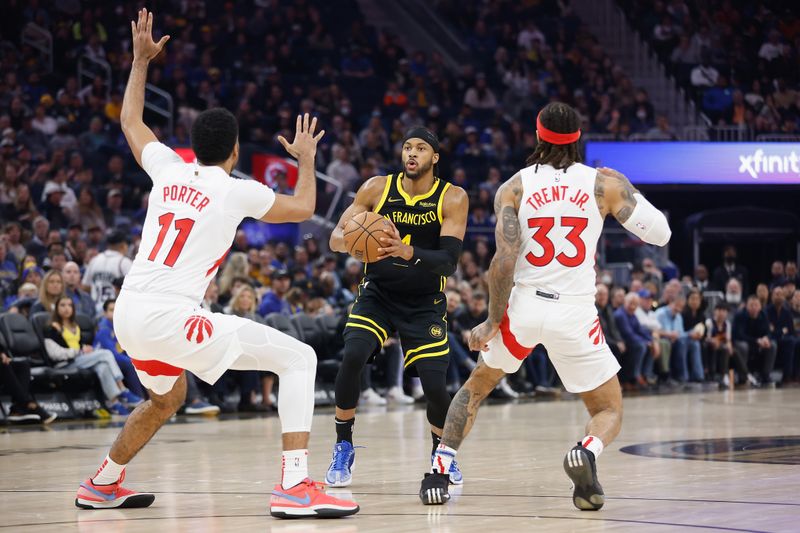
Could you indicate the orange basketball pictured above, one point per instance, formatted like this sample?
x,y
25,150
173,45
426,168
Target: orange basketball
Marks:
x,y
362,235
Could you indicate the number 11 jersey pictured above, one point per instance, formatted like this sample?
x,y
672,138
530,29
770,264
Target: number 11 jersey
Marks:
x,y
192,216
561,224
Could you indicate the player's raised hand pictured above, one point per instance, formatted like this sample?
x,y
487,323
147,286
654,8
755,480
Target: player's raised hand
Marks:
x,y
481,335
144,47
305,142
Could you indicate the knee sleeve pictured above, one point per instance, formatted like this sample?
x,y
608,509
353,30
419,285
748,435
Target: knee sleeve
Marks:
x,y
434,384
357,350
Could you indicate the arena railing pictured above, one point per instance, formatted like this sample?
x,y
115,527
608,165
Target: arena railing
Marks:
x,y
91,68
40,40
165,110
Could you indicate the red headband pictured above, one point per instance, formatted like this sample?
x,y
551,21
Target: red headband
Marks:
x,y
554,137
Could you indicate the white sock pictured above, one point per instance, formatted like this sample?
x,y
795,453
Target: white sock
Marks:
x,y
442,459
593,444
295,468
108,473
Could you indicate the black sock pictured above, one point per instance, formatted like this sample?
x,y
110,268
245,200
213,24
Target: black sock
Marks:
x,y
344,430
436,440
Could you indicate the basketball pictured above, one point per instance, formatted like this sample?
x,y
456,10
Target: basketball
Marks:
x,y
362,235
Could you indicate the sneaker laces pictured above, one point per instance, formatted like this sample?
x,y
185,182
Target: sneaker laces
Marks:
x,y
340,459
316,485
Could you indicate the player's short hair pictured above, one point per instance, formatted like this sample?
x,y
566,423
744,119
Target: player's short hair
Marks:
x,y
214,135
560,118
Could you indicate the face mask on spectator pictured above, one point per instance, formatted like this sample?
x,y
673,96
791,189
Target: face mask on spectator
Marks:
x,y
733,297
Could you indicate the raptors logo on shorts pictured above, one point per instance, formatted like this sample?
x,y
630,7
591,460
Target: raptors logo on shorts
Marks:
x,y
596,333
198,328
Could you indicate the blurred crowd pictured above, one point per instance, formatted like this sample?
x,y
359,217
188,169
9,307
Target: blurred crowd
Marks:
x,y
739,59
72,200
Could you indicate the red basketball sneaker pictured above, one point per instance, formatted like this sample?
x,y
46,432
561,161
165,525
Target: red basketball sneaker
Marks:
x,y
91,496
308,498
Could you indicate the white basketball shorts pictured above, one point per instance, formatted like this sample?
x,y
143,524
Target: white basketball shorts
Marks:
x,y
569,329
164,335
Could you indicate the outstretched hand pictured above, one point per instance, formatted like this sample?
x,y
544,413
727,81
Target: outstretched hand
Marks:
x,y
305,142
144,47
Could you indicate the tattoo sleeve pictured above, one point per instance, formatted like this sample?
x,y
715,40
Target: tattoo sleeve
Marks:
x,y
509,239
628,203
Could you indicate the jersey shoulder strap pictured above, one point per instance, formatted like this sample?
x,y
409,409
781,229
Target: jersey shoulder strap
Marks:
x,y
387,189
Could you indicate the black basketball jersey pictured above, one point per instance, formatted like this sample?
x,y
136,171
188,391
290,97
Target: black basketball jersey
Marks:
x,y
419,221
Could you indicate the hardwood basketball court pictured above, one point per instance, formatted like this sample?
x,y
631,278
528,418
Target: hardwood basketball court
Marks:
x,y
722,461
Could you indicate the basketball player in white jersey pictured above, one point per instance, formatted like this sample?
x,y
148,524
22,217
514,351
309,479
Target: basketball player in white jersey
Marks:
x,y
541,290
191,220
107,266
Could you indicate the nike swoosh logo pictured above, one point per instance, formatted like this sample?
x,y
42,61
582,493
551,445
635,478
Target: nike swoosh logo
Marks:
x,y
394,199
437,302
295,499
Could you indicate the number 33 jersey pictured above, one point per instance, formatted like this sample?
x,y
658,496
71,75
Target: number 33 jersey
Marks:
x,y
192,216
561,224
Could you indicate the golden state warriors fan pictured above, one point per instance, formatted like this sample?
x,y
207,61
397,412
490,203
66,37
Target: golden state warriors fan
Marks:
x,y
403,291
541,290
191,220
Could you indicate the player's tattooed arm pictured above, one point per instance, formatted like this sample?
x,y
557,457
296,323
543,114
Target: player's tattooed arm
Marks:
x,y
614,194
500,278
508,237
366,199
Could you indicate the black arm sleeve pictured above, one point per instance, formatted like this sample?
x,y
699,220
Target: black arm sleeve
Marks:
x,y
442,261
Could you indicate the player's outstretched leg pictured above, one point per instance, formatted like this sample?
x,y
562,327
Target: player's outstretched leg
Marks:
x,y
295,363
104,490
357,350
605,407
433,376
460,417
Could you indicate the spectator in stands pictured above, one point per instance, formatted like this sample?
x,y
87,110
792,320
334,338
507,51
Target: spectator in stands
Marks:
x,y
337,298
778,275
646,315
26,296
15,377
608,323
106,339
105,267
704,75
89,214
722,353
82,299
782,332
751,335
791,273
12,232
51,289
211,298
762,293
700,281
685,358
639,345
63,345
730,269
37,246
480,96
342,169
733,294
9,271
617,298
694,313
274,300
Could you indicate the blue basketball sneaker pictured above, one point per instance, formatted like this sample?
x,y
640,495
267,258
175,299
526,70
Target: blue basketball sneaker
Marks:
x,y
340,473
456,478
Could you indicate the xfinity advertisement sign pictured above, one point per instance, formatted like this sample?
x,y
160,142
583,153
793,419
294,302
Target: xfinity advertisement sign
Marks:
x,y
702,163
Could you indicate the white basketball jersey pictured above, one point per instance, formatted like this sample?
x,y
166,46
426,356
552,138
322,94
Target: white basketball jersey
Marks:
x,y
192,217
561,225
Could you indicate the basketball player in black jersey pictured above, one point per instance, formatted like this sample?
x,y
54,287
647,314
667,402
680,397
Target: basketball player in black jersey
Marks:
x,y
404,290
